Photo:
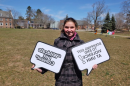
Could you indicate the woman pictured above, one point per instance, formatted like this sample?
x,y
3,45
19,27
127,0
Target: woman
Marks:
x,y
69,74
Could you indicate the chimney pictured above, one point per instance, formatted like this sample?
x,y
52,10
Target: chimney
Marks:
x,y
10,11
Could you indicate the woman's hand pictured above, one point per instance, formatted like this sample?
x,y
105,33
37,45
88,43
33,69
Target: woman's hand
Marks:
x,y
95,66
38,69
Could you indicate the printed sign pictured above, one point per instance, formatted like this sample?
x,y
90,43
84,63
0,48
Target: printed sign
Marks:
x,y
90,53
48,57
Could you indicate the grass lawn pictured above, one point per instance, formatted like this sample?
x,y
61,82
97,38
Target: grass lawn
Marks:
x,y
125,33
17,45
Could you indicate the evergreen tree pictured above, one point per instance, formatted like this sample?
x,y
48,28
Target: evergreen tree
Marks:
x,y
107,24
29,13
66,17
38,16
21,18
38,13
113,23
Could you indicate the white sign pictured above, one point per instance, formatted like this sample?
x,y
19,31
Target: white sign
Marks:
x,y
48,57
90,53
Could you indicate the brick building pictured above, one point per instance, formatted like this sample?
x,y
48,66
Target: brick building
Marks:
x,y
6,19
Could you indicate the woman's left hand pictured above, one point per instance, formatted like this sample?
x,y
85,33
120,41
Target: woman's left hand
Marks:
x,y
95,66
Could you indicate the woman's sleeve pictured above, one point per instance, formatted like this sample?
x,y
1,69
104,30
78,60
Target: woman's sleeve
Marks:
x,y
55,42
81,41
43,70
55,45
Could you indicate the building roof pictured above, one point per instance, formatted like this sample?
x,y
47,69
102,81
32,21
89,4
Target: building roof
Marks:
x,y
6,14
80,22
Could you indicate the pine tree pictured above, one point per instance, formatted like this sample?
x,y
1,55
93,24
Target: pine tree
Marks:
x,y
29,13
113,23
38,14
107,24
66,17
38,11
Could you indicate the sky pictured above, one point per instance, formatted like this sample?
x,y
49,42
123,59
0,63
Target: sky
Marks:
x,y
58,9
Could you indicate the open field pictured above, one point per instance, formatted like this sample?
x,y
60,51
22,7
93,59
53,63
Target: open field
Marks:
x,y
17,45
123,33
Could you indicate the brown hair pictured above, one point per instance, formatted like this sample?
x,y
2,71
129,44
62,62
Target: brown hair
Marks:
x,y
69,19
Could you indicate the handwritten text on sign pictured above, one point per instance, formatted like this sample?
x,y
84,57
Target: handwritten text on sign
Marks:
x,y
90,53
48,57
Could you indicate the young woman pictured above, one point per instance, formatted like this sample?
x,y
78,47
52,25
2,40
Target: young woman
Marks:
x,y
69,74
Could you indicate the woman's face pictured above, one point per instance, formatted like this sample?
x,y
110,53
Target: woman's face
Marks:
x,y
69,28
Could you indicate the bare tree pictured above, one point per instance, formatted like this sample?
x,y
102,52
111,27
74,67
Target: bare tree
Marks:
x,y
126,7
126,12
50,20
90,19
85,22
119,17
98,9
42,19
15,14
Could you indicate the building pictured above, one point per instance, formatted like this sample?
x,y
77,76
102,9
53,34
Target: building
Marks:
x,y
33,24
81,25
6,19
29,24
55,25
21,23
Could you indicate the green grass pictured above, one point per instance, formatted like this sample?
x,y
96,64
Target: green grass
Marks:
x,y
17,45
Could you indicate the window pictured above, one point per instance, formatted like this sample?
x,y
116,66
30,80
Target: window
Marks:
x,y
1,24
6,19
10,19
1,19
10,24
6,23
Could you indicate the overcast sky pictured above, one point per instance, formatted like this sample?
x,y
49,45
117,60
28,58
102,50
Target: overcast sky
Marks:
x,y
58,9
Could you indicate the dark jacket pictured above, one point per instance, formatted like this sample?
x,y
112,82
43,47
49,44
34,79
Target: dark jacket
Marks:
x,y
69,74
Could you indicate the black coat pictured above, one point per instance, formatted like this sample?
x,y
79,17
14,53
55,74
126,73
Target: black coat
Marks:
x,y
69,74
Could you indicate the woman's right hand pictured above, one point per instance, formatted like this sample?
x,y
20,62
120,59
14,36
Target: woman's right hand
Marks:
x,y
38,69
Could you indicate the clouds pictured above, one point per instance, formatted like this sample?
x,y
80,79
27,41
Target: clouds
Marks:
x,y
60,12
103,15
86,6
110,4
46,10
110,13
5,6
57,15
